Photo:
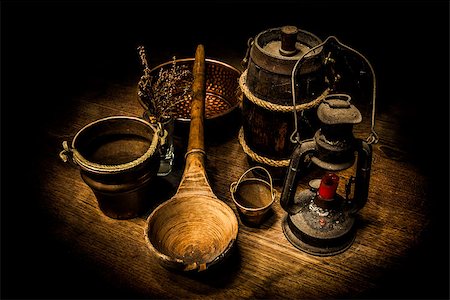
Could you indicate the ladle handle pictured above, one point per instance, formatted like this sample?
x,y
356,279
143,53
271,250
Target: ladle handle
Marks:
x,y
195,149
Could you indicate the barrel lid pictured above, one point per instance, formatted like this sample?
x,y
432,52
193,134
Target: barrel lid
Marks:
x,y
287,42
338,111
265,50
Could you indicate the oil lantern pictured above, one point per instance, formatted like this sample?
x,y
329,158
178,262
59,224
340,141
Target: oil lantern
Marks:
x,y
320,220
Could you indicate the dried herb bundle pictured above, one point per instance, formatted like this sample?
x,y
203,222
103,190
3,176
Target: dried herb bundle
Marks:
x,y
161,94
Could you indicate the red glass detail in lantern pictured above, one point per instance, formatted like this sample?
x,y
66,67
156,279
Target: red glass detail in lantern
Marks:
x,y
328,186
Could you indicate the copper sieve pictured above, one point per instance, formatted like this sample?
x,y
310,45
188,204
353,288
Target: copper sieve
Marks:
x,y
223,95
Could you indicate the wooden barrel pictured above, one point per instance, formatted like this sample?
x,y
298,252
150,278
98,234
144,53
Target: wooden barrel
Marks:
x,y
268,120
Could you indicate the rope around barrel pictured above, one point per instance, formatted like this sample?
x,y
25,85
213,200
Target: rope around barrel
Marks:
x,y
272,107
259,158
276,107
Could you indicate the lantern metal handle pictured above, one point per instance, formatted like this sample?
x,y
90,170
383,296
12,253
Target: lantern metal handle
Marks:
x,y
301,157
372,138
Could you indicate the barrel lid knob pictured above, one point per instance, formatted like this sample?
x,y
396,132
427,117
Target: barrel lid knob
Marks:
x,y
288,40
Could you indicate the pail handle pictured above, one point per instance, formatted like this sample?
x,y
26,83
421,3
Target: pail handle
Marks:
x,y
234,185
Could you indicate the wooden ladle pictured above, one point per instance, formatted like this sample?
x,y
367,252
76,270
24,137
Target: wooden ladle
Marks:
x,y
194,229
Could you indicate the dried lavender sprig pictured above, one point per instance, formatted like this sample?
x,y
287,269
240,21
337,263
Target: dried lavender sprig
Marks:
x,y
145,82
161,95
167,86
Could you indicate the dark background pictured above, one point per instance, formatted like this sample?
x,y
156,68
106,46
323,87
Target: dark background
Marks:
x,y
54,49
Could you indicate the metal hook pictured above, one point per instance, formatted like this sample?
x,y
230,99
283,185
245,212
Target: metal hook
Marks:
x,y
244,62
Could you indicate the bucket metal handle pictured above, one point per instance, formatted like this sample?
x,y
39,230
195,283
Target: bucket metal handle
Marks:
x,y
233,186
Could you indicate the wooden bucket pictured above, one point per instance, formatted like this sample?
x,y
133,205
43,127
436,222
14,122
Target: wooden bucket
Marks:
x,y
266,84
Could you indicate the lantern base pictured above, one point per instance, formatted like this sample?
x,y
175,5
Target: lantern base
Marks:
x,y
318,248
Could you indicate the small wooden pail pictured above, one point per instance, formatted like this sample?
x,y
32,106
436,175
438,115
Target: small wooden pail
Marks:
x,y
267,87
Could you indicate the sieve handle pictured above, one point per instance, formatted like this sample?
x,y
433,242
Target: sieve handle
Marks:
x,y
234,185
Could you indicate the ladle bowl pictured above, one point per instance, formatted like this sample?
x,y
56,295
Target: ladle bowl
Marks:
x,y
189,234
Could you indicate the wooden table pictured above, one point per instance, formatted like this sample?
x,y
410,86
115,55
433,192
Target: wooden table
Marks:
x,y
266,265
57,243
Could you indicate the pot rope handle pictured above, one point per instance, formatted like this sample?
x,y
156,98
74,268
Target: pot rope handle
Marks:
x,y
234,185
67,154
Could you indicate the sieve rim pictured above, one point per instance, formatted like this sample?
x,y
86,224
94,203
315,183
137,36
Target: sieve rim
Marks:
x,y
207,60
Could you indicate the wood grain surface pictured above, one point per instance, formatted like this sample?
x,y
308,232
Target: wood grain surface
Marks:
x,y
56,243
265,265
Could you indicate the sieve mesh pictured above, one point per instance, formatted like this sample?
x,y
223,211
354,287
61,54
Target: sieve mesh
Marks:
x,y
223,93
